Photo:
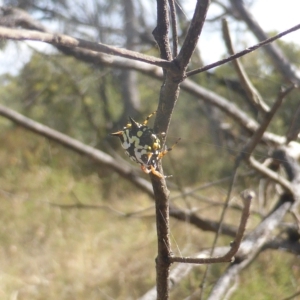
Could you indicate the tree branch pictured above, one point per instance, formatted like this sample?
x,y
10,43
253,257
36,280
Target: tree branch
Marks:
x,y
181,271
247,197
161,31
191,39
70,42
258,134
252,93
275,53
174,27
244,52
249,249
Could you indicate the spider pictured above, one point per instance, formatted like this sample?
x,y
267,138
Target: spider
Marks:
x,y
142,145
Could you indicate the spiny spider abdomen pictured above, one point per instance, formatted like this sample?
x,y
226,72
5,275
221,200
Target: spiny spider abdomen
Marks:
x,y
142,145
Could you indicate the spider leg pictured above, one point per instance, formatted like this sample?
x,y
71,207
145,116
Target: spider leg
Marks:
x,y
152,170
147,119
163,153
145,170
150,154
156,173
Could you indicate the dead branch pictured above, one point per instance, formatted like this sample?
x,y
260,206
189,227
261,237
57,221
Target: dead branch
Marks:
x,y
191,39
174,27
247,197
71,42
15,17
249,249
274,52
204,224
181,271
253,95
244,52
259,238
255,139
256,165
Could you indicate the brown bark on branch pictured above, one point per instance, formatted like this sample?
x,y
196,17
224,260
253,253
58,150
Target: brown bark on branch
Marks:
x,y
168,97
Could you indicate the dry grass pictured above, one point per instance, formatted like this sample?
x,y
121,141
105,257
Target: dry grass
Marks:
x,y
77,254
49,252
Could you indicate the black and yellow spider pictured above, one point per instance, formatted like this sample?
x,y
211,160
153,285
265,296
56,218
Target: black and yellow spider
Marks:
x,y
142,145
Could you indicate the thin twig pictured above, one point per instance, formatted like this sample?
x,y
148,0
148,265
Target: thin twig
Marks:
x,y
247,197
255,139
250,247
252,93
282,63
174,27
256,165
245,154
242,53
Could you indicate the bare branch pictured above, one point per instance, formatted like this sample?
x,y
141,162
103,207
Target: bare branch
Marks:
x,y
161,31
249,249
251,91
168,96
174,27
277,56
15,17
242,53
89,56
182,270
204,224
247,196
70,42
255,139
230,109
193,34
269,174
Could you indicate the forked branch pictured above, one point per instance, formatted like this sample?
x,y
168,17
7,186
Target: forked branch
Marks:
x,y
247,197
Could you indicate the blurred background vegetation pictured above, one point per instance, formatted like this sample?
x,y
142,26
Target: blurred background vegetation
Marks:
x,y
106,249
